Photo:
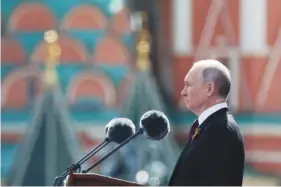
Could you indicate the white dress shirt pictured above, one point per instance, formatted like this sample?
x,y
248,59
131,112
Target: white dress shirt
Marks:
x,y
204,115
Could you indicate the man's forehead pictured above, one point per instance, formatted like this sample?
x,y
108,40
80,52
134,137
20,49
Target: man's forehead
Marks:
x,y
192,72
186,77
189,74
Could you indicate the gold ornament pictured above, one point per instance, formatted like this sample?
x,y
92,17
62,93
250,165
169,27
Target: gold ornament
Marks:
x,y
53,53
197,131
143,46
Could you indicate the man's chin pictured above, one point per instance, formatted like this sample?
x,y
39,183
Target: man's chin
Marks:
x,y
189,108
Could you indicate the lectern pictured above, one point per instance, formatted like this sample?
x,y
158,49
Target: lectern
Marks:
x,y
86,179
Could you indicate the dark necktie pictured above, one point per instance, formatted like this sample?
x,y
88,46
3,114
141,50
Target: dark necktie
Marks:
x,y
193,129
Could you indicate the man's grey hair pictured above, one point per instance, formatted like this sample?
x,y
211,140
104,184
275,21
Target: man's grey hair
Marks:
x,y
215,71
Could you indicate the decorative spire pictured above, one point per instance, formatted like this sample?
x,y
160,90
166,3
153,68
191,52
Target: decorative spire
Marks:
x,y
143,45
53,54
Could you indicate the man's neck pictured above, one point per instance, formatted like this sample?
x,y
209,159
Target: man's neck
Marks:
x,y
209,104
209,111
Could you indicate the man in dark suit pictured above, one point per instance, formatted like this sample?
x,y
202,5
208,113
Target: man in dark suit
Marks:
x,y
214,154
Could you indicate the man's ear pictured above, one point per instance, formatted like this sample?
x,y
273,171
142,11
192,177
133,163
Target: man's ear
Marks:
x,y
210,88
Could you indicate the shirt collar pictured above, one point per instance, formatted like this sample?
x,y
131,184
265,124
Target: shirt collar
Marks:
x,y
204,115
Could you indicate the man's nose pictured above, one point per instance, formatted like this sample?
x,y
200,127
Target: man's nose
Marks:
x,y
183,92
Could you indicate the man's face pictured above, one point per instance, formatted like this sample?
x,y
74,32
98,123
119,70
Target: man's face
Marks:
x,y
194,91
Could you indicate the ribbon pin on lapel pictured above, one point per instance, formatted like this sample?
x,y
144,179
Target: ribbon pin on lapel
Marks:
x,y
197,130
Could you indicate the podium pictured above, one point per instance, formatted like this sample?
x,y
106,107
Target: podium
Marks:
x,y
86,179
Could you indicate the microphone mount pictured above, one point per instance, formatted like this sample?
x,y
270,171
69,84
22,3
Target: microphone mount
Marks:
x,y
77,166
139,132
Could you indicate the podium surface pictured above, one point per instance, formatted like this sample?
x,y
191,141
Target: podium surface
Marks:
x,y
92,179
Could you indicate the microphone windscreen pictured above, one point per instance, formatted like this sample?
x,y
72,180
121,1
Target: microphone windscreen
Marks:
x,y
119,129
106,128
155,124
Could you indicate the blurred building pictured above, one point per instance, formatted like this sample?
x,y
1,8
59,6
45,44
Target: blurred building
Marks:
x,y
96,67
246,36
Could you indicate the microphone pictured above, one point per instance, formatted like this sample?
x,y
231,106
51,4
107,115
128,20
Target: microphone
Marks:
x,y
117,130
120,129
153,124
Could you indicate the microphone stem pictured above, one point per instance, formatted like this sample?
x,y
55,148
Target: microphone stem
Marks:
x,y
94,151
84,159
140,131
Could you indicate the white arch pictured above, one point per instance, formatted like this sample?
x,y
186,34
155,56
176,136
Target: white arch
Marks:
x,y
122,49
22,10
102,80
16,76
101,20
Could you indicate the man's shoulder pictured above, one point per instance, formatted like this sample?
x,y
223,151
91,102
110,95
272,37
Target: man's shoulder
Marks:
x,y
224,124
231,122
231,128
